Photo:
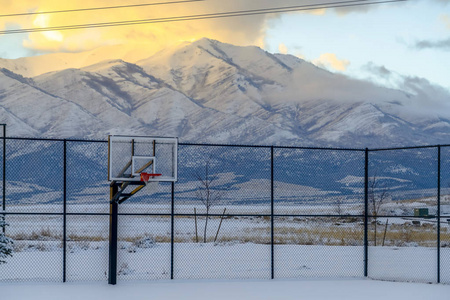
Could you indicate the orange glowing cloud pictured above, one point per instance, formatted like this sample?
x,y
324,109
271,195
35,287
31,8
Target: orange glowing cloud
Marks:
x,y
330,60
282,48
243,31
248,30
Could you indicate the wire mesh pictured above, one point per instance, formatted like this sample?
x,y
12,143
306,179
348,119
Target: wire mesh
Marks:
x,y
223,214
402,207
221,189
34,176
445,215
237,178
155,198
37,250
87,247
144,247
241,250
401,181
318,182
86,177
319,247
408,254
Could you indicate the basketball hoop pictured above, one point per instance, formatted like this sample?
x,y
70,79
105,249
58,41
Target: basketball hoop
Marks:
x,y
145,177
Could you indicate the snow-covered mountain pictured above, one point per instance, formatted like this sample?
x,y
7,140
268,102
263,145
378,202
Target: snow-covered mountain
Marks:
x,y
207,91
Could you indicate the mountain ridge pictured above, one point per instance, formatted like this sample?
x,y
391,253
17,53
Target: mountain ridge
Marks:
x,y
211,92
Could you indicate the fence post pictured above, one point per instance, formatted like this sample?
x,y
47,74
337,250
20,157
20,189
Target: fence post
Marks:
x,y
439,216
366,208
113,218
271,214
172,225
4,173
64,210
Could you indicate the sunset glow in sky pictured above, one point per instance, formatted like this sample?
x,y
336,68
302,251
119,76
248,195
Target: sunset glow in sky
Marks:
x,y
384,42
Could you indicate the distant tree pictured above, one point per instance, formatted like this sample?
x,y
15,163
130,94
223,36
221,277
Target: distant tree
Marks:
x,y
338,204
6,243
208,192
378,194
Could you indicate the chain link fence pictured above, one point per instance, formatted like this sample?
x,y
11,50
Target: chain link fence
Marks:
x,y
236,212
444,214
318,201
402,195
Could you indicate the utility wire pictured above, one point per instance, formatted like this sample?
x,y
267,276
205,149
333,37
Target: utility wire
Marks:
x,y
97,8
208,16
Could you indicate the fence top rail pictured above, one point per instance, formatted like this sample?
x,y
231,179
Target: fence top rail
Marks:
x,y
408,148
320,148
53,139
268,146
234,145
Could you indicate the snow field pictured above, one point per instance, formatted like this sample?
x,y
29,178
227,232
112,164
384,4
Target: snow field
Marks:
x,y
228,261
311,289
304,248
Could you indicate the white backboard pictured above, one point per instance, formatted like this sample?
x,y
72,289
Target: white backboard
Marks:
x,y
128,156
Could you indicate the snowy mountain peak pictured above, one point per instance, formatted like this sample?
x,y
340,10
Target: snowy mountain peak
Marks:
x,y
208,91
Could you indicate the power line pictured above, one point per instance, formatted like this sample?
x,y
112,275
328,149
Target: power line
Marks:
x,y
240,13
97,8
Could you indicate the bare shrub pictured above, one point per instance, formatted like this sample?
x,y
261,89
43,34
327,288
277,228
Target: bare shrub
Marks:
x,y
208,192
378,194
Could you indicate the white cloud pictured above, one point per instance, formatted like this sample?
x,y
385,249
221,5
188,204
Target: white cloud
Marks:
x,y
426,94
282,48
330,61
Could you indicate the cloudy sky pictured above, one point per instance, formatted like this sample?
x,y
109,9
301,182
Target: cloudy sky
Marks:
x,y
394,44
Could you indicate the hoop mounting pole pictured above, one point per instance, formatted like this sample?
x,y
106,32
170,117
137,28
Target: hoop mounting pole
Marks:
x,y
113,220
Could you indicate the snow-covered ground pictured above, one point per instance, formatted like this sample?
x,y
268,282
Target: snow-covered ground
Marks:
x,y
224,261
314,258
349,289
304,247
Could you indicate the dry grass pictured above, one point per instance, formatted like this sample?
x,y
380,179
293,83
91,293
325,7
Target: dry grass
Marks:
x,y
407,235
331,236
88,238
157,239
297,231
42,235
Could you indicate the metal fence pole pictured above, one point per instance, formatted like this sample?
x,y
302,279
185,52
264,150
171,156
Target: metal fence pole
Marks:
x,y
366,208
64,211
271,214
172,225
439,216
113,219
4,173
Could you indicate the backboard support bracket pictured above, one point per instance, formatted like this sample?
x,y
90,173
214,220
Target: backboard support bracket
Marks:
x,y
119,196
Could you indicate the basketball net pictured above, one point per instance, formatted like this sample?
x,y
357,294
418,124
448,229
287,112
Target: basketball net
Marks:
x,y
145,177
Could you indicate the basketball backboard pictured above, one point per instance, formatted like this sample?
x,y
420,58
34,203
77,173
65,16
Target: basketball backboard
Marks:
x,y
129,156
